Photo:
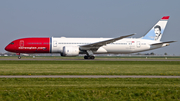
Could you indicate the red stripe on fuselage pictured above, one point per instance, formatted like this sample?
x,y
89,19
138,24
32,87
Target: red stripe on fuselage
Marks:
x,y
30,45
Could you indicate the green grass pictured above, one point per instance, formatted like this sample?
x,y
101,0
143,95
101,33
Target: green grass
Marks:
x,y
108,89
82,89
89,67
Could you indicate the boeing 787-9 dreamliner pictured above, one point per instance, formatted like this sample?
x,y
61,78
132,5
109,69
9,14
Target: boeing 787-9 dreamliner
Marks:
x,y
90,46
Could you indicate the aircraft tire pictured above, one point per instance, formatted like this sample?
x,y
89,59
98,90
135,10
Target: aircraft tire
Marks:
x,y
92,57
85,57
89,57
19,57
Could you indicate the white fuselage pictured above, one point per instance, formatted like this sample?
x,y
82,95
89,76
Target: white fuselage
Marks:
x,y
124,46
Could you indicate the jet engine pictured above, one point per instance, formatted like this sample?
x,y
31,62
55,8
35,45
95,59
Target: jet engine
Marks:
x,y
70,51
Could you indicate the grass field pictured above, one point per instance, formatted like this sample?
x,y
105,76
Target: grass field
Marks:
x,y
89,67
89,89
83,89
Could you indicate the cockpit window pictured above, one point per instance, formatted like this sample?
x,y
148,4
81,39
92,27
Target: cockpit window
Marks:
x,y
12,43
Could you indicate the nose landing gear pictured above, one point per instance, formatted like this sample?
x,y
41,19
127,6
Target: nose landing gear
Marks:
x,y
19,57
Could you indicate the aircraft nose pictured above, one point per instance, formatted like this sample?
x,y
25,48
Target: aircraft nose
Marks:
x,y
7,48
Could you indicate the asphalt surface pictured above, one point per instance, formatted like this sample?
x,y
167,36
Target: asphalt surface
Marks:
x,y
85,76
107,59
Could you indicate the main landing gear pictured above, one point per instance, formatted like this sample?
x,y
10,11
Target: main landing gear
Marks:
x,y
89,57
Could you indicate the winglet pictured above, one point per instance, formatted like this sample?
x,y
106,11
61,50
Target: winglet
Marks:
x,y
165,18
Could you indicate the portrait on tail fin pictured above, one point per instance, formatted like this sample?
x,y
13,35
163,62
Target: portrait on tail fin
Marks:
x,y
157,31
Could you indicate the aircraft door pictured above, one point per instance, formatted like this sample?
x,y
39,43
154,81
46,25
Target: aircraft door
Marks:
x,y
131,45
21,43
54,43
138,44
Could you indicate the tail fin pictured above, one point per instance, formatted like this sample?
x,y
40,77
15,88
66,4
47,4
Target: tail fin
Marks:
x,y
157,31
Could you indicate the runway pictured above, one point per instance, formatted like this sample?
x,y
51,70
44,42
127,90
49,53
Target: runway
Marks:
x,y
110,59
85,76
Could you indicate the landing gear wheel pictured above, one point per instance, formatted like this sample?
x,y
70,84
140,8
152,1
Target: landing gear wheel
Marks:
x,y
85,57
89,57
92,57
19,57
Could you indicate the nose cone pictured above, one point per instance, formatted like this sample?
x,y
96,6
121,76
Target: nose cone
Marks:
x,y
7,48
10,48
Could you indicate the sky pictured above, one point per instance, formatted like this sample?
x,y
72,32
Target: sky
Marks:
x,y
88,18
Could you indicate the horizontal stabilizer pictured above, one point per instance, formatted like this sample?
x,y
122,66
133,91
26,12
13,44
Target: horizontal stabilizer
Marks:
x,y
163,43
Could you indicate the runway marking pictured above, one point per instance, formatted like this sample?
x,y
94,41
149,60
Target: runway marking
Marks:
x,y
85,76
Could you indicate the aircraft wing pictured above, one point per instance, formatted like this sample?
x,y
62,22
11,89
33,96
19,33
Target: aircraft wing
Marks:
x,y
96,45
167,42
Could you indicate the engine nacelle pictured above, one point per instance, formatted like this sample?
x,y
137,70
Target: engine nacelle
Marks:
x,y
70,51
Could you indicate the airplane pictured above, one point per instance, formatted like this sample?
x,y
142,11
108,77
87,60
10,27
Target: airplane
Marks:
x,y
90,46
